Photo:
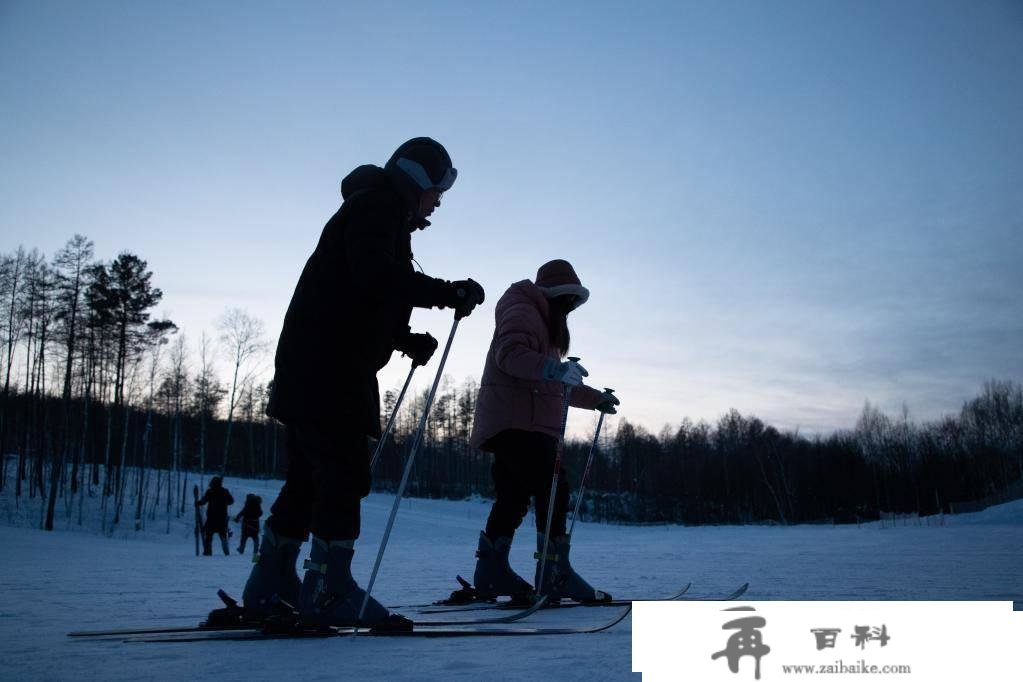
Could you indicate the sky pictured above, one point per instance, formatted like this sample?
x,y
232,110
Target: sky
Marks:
x,y
786,208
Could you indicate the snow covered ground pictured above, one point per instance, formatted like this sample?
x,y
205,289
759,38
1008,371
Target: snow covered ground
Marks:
x,y
76,578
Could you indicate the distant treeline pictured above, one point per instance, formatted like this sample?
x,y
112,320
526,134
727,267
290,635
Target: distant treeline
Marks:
x,y
90,379
741,470
98,398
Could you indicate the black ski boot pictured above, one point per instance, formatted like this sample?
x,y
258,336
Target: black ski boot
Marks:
x,y
494,576
331,597
273,578
234,614
560,581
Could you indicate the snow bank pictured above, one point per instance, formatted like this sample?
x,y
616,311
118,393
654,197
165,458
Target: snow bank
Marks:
x,y
1010,513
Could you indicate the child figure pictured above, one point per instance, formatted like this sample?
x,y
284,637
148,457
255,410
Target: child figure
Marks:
x,y
249,518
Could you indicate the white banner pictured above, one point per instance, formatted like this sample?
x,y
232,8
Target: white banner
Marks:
x,y
930,641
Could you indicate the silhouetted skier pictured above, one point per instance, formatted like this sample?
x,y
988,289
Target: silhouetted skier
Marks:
x,y
518,417
219,499
349,313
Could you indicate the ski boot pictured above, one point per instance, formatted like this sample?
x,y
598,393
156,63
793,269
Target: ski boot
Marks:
x,y
330,597
273,578
560,581
467,594
233,614
494,576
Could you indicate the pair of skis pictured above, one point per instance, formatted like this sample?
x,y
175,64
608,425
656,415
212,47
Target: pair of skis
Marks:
x,y
477,627
681,595
439,628
210,627
489,628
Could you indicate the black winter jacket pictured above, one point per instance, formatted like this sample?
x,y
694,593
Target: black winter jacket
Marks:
x,y
251,511
352,304
219,500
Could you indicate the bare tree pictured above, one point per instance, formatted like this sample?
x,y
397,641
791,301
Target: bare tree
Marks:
x,y
36,311
129,394
176,386
247,405
158,340
207,397
244,343
70,263
11,275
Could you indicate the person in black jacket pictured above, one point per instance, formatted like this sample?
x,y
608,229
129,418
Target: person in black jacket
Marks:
x,y
350,311
249,518
219,499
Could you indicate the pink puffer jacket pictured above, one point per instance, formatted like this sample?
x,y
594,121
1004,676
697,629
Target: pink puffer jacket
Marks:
x,y
513,393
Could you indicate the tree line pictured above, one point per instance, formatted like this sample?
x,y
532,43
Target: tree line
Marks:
x,y
102,399
740,470
99,396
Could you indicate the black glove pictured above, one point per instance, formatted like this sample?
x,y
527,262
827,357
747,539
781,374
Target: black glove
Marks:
x,y
608,402
419,347
464,295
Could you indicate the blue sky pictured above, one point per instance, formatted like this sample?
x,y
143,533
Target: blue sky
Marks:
x,y
788,208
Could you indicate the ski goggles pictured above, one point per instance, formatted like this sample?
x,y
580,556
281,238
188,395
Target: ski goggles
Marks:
x,y
415,170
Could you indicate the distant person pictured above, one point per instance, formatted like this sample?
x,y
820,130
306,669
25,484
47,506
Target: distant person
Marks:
x,y
519,418
249,518
219,499
349,312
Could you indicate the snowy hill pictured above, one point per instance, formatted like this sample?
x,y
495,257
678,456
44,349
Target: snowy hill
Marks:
x,y
1008,514
77,578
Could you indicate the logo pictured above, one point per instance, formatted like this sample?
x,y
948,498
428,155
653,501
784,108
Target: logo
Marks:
x,y
748,641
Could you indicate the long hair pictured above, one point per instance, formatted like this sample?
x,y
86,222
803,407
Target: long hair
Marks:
x,y
557,323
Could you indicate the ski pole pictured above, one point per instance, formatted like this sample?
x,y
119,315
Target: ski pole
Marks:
x,y
586,471
405,474
390,422
554,485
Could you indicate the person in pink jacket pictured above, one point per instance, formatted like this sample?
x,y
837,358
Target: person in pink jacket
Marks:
x,y
518,419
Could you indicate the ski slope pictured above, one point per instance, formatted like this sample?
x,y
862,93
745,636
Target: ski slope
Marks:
x,y
77,578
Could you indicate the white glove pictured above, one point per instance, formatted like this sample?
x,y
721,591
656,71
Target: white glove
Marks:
x,y
569,373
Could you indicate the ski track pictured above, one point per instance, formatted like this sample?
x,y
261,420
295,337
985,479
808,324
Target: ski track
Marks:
x,y
78,579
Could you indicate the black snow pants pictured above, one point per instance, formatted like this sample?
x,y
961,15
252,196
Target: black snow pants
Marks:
x,y
250,529
207,537
328,475
523,468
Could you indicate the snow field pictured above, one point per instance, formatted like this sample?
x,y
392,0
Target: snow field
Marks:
x,y
76,578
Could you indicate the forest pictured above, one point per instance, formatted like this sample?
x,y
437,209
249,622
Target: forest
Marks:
x,y
100,398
